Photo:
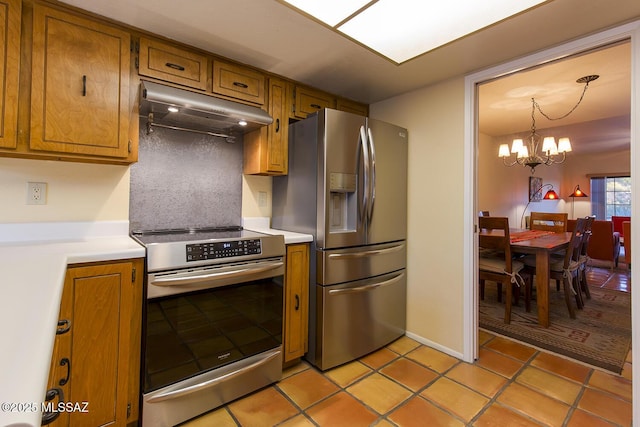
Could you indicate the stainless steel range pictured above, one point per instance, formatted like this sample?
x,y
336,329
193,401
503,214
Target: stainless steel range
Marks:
x,y
212,319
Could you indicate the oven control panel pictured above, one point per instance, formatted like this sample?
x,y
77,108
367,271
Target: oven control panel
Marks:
x,y
228,249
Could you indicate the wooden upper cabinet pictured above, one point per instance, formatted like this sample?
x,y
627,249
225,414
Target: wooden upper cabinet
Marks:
x,y
79,86
238,82
166,62
266,149
307,101
347,105
9,71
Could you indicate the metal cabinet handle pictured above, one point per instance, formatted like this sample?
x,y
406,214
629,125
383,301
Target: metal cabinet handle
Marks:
x,y
366,288
297,307
316,106
64,326
175,66
49,417
364,254
67,362
84,85
240,84
277,125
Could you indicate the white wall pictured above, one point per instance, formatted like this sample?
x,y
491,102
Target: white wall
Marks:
x,y
434,117
75,191
252,186
89,192
503,191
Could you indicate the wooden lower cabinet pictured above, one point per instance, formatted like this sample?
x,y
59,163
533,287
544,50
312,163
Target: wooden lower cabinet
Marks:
x,y
296,317
96,357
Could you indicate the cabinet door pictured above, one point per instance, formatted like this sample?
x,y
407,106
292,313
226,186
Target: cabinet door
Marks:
x,y
266,149
9,70
308,101
238,82
80,85
296,302
103,304
172,64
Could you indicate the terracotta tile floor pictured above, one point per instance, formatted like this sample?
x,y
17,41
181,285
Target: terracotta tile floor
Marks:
x,y
409,384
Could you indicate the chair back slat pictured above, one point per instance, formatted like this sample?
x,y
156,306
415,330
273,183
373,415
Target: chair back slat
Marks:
x,y
574,250
548,221
496,236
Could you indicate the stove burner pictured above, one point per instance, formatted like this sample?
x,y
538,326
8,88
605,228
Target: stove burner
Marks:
x,y
192,230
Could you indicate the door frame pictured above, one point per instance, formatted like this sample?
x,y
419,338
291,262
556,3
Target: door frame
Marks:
x,y
630,32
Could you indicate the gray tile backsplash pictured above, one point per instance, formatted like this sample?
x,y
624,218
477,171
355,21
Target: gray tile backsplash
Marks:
x,y
184,179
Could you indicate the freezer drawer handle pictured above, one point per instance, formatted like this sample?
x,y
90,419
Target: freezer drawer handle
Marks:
x,y
185,280
174,394
368,253
366,287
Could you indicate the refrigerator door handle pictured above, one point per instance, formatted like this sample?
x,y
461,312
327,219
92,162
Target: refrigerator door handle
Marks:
x,y
372,177
368,253
364,149
366,288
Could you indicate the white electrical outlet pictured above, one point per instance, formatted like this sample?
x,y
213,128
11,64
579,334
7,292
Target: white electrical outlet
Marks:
x,y
36,193
262,199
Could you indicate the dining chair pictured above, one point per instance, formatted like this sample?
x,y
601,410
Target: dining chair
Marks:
x,y
584,257
565,267
548,221
499,266
626,226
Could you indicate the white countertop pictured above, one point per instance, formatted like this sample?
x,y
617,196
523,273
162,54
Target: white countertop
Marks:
x,y
263,225
33,262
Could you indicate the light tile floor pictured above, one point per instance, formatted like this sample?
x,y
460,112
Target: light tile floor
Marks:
x,y
409,384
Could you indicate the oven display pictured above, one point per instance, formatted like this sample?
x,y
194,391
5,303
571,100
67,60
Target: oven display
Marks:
x,y
215,250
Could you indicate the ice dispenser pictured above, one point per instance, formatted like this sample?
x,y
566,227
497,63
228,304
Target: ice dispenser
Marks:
x,y
343,206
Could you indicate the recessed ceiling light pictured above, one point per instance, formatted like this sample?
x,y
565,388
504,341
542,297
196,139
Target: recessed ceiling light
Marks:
x,y
172,109
403,29
242,122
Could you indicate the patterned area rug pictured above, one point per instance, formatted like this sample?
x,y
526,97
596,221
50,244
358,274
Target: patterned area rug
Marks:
x,y
600,335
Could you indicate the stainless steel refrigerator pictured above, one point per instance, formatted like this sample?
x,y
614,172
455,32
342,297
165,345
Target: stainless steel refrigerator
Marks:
x,y
347,186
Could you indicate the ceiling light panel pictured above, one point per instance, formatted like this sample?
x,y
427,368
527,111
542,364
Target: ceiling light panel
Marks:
x,y
331,12
403,29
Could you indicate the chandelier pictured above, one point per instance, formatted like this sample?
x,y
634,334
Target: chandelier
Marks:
x,y
526,152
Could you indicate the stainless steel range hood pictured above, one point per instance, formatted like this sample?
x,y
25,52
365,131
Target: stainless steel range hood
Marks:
x,y
173,108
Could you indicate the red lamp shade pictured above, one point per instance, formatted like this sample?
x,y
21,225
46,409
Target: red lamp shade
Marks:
x,y
551,195
578,193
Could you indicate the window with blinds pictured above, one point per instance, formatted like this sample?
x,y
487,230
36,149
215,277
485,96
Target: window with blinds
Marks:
x,y
610,196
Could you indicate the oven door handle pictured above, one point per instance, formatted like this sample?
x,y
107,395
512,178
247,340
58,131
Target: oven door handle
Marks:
x,y
183,391
238,272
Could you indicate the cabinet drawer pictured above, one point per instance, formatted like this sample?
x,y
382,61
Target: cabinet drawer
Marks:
x,y
172,64
309,101
238,82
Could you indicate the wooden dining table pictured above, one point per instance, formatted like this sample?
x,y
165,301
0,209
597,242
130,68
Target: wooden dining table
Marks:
x,y
542,244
